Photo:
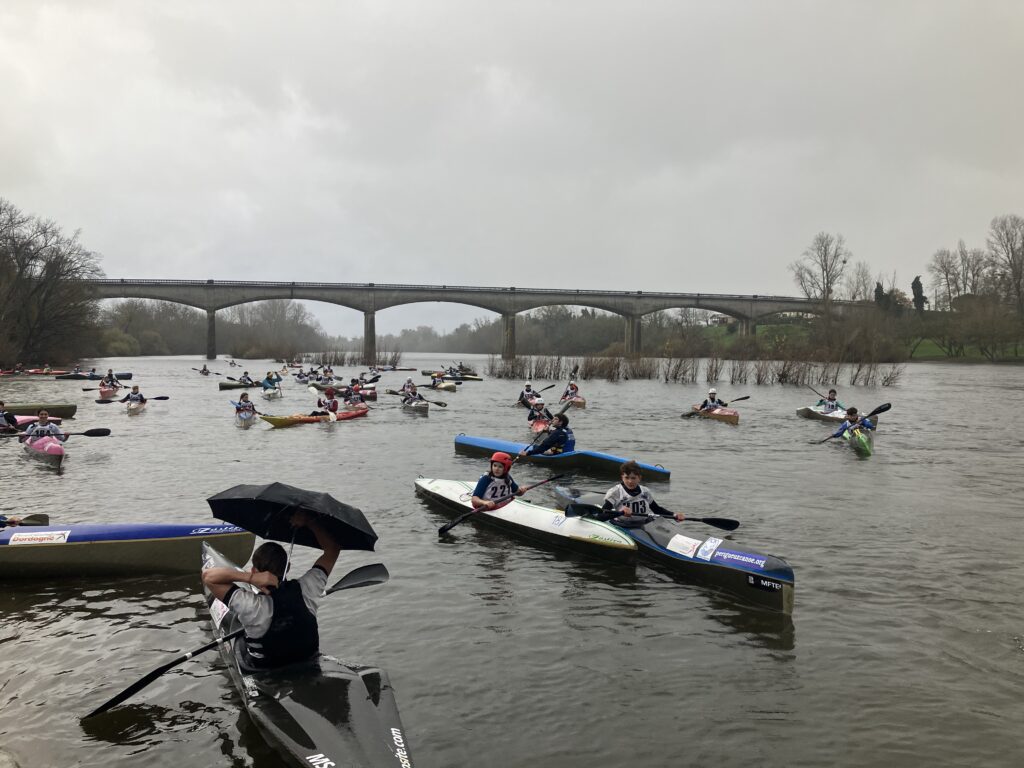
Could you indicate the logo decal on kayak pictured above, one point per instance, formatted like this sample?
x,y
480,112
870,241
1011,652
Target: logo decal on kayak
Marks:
x,y
251,690
320,761
759,582
707,549
215,529
43,537
740,557
217,611
684,545
400,751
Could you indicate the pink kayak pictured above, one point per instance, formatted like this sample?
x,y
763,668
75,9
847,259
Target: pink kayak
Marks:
x,y
48,449
24,421
539,425
108,393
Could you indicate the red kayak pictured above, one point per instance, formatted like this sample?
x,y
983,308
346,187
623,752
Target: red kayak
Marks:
x,y
539,425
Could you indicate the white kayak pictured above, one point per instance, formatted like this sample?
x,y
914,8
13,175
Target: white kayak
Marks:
x,y
134,408
245,419
272,394
417,406
533,521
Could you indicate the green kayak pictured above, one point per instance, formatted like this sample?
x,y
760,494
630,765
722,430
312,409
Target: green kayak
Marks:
x,y
62,410
860,441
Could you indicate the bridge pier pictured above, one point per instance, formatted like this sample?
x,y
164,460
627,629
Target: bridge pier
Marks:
x,y
211,334
748,327
633,338
369,338
508,338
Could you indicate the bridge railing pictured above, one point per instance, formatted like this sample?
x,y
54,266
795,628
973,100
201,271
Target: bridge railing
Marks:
x,y
583,292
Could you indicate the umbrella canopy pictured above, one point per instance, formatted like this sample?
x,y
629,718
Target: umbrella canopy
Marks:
x,y
266,510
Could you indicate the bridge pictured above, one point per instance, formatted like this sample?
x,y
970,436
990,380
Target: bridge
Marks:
x,y
368,298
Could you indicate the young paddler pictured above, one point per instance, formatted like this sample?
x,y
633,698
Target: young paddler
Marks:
x,y
628,499
497,486
559,440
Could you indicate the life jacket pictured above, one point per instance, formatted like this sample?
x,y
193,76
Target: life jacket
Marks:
x,y
829,406
293,635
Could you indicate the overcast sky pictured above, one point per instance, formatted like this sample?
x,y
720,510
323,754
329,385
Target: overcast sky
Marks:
x,y
678,146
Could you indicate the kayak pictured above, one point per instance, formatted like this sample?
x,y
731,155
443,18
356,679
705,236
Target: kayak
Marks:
x,y
245,419
814,412
47,449
577,402
532,521
421,407
45,372
24,421
728,415
91,376
113,549
758,578
291,421
860,440
134,408
539,425
107,393
64,410
445,376
222,385
271,394
603,463
321,713
445,386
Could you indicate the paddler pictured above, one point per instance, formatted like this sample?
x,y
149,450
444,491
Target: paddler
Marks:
x,y
204,370
854,421
42,427
134,396
328,403
497,485
830,403
411,395
354,397
435,381
8,422
244,405
110,379
246,379
527,394
629,499
77,369
538,411
280,619
409,385
559,440
271,381
572,391
712,401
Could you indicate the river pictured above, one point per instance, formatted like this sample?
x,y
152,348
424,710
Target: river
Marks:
x,y
904,649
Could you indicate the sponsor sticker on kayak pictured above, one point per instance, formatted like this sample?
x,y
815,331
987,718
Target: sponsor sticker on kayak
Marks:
x,y
42,537
743,558
684,545
760,582
217,610
707,549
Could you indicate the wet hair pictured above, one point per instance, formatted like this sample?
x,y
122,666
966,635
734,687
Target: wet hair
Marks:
x,y
851,411
270,556
831,391
630,468
563,419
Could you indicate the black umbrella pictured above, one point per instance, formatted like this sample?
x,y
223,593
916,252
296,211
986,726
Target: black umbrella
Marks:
x,y
266,510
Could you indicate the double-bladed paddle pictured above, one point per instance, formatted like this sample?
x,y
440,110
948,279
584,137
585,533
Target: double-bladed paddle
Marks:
x,y
208,372
696,413
364,576
158,397
440,403
498,503
97,432
586,510
880,409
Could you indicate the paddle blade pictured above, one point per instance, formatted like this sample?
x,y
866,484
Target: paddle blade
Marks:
x,y
97,432
880,409
105,402
364,576
737,399
725,523
37,519
160,397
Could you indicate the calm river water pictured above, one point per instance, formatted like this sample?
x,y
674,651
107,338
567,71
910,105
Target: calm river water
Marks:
x,y
905,646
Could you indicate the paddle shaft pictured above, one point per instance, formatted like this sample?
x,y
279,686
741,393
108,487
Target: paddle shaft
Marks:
x,y
880,409
725,523
97,432
365,576
502,501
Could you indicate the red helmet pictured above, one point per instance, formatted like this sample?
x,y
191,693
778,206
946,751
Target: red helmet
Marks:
x,y
502,458
329,391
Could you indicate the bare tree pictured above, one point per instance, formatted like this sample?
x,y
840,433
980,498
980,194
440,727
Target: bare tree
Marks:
x,y
820,269
1006,246
975,268
858,284
945,274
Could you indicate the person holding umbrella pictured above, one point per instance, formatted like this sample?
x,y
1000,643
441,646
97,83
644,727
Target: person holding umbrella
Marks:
x,y
279,616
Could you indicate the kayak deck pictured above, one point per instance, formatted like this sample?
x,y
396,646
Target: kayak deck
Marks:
x,y
318,713
532,521
113,549
603,463
727,415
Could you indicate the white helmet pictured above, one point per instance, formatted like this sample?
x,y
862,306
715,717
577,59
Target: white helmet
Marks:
x,y
408,379
529,384
712,391
538,401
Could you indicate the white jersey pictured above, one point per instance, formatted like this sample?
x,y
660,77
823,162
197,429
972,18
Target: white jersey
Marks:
x,y
638,503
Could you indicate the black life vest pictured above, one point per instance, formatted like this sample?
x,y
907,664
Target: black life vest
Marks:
x,y
293,635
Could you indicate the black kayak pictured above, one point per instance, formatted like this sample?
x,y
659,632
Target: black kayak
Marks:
x,y
756,577
91,376
323,712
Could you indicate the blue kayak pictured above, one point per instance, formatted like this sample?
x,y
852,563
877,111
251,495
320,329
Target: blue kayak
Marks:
x,y
604,463
114,549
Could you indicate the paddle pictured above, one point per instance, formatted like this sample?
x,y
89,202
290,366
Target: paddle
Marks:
x,y
697,413
331,415
96,389
237,405
364,576
158,397
35,520
815,391
402,394
585,510
538,391
97,432
497,504
880,409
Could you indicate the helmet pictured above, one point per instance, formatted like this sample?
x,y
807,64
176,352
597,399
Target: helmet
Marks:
x,y
502,458
408,379
538,401
529,384
353,381
329,392
712,391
